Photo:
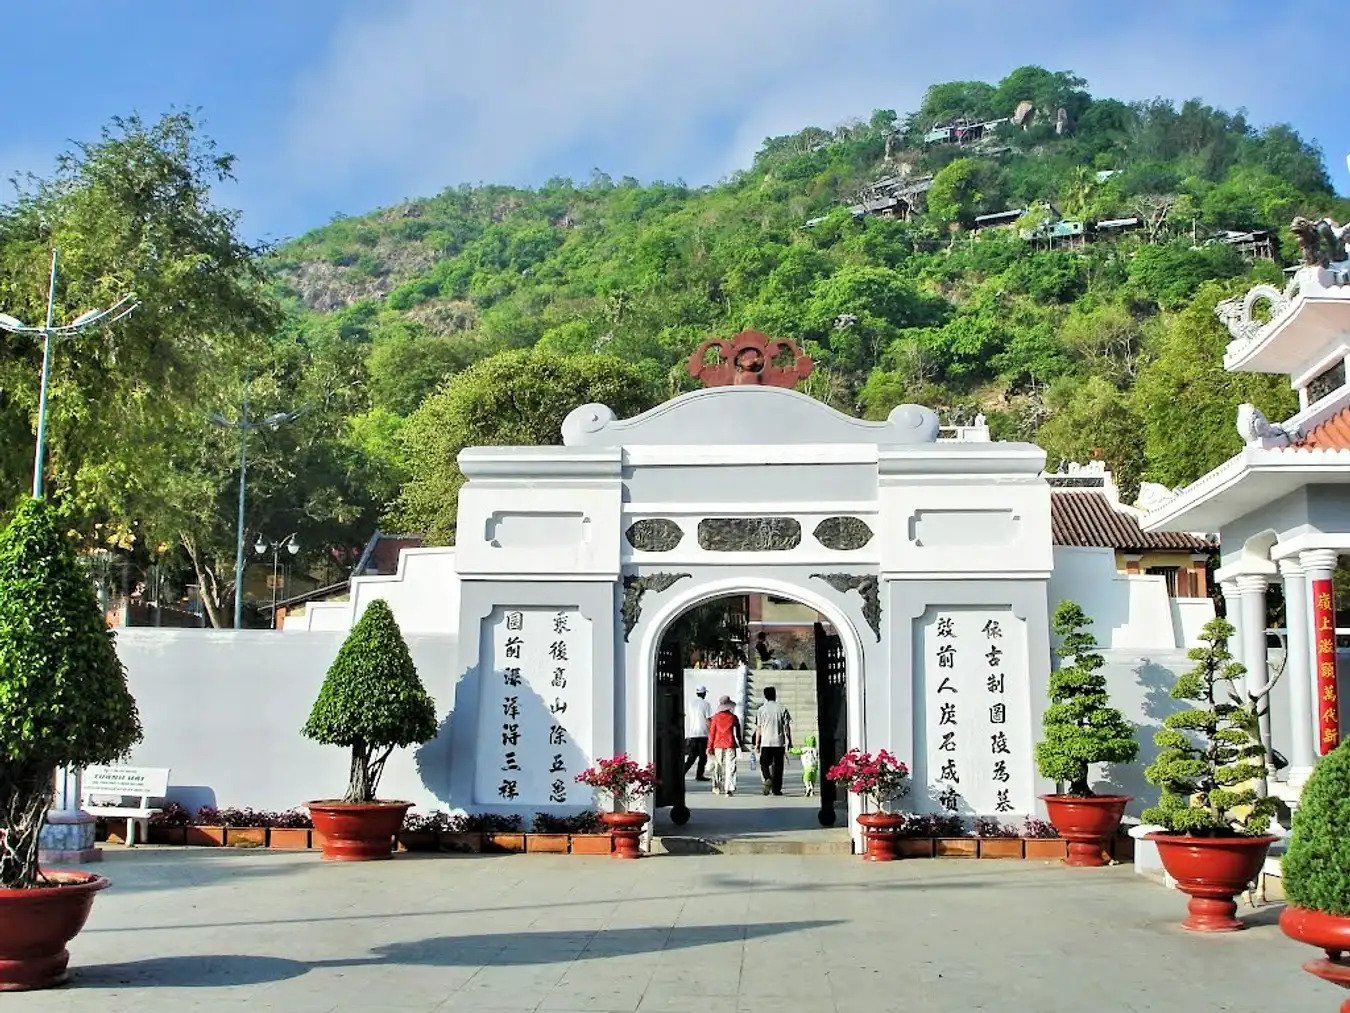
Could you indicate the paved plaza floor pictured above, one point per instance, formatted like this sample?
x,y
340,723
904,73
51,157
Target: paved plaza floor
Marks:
x,y
188,929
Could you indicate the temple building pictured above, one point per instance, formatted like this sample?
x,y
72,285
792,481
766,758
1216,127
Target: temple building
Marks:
x,y
1281,505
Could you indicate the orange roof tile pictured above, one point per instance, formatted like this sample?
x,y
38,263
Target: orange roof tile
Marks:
x,y
1333,434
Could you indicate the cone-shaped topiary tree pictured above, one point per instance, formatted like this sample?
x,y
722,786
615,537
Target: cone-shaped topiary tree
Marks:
x,y
1315,871
371,700
1081,727
1207,758
63,692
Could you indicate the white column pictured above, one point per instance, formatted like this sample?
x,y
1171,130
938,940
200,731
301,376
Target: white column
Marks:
x,y
1233,612
1252,595
1320,564
1298,661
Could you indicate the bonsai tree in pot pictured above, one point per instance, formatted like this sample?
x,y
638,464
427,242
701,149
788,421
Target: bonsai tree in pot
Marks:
x,y
1315,871
625,782
1081,728
1207,767
373,703
884,780
63,702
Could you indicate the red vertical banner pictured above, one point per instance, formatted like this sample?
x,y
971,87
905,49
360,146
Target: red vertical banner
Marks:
x,y
1324,633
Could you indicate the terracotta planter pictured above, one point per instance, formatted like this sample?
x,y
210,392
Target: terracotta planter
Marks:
x,y
163,834
358,831
206,837
1045,849
957,847
592,844
418,840
626,829
1088,824
1000,847
465,842
546,844
510,843
36,925
245,837
1212,870
881,831
914,847
288,838
1329,933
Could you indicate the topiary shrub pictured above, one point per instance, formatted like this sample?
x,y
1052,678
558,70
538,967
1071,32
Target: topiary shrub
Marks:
x,y
1081,727
1315,871
64,700
371,701
1207,756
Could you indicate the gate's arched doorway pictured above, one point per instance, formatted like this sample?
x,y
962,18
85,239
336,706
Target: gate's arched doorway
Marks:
x,y
741,642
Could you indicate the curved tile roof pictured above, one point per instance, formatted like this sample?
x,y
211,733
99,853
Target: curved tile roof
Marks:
x,y
1088,519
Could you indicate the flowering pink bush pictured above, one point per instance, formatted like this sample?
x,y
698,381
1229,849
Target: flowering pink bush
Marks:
x,y
621,779
882,778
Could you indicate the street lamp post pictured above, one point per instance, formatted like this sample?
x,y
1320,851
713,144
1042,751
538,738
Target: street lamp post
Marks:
x,y
50,334
261,546
69,832
246,424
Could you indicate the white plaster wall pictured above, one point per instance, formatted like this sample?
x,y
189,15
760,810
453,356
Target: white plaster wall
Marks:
x,y
1128,612
224,709
423,595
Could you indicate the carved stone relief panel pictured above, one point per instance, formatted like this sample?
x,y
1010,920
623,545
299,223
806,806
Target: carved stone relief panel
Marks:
x,y
749,534
654,534
843,533
634,588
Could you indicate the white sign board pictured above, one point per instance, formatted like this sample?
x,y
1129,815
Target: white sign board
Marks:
x,y
977,724
534,725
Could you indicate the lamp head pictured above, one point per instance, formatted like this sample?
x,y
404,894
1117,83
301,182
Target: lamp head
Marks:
x,y
260,546
10,323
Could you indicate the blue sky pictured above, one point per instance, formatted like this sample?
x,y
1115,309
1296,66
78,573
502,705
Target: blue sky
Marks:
x,y
337,107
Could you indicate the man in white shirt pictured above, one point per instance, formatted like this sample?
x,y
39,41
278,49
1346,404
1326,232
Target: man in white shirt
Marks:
x,y
696,720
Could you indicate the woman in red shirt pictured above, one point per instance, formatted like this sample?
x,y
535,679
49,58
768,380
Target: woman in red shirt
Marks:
x,y
724,746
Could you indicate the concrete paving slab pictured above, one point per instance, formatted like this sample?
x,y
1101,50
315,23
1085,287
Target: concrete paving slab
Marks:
x,y
217,930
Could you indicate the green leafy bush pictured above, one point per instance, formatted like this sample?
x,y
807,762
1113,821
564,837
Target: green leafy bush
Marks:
x,y
1316,868
371,700
1205,784
63,692
1081,728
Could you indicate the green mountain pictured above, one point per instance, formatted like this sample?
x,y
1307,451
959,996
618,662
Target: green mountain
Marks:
x,y
1086,324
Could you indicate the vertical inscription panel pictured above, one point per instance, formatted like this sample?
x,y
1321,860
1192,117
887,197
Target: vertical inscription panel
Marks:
x,y
972,675
534,720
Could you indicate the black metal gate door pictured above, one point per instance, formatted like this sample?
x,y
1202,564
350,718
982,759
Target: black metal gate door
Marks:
x,y
668,719
832,712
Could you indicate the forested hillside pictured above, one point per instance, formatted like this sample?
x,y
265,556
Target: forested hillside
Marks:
x,y
1109,349
483,313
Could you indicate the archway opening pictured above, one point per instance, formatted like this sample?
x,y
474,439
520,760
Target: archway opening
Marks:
x,y
778,667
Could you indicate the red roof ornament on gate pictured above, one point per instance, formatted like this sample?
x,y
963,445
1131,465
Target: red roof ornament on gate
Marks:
x,y
751,359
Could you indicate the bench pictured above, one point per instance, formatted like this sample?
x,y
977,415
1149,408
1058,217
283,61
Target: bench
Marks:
x,y
103,785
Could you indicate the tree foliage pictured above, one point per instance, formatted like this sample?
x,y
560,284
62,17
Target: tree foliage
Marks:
x,y
63,693
1081,727
371,700
1315,870
1208,760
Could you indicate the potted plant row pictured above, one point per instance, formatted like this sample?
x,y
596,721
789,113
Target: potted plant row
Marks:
x,y
1213,841
1315,871
1081,729
64,702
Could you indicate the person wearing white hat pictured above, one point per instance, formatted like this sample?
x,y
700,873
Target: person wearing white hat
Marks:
x,y
696,720
724,746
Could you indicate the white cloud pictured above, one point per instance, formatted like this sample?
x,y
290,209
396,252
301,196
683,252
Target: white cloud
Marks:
x,y
409,99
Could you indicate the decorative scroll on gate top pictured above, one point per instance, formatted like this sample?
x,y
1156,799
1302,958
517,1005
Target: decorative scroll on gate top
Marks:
x,y
750,359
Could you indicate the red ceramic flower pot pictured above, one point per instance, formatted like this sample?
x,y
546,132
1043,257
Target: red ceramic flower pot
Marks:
x,y
1212,870
36,924
626,829
881,832
358,831
1330,933
1088,824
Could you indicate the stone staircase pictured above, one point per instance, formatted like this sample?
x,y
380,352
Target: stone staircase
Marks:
x,y
796,691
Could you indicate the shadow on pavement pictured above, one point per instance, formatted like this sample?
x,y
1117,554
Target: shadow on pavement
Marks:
x,y
509,949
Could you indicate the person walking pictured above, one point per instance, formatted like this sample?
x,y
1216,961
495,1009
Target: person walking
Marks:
x,y
773,738
724,746
696,720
